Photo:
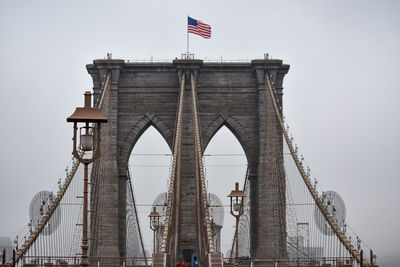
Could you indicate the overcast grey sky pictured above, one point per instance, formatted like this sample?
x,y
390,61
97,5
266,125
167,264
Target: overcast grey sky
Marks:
x,y
341,93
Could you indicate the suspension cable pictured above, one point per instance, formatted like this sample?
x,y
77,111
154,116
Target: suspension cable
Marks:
x,y
173,184
45,219
339,233
199,158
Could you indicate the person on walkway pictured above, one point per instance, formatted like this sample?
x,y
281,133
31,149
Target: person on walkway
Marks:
x,y
183,263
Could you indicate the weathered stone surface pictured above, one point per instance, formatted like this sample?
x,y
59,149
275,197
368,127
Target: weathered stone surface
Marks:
x,y
230,94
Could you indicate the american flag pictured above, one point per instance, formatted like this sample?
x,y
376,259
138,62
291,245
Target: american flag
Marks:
x,y
199,28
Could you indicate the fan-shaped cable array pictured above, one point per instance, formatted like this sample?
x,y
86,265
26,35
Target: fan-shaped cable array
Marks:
x,y
316,228
316,223
53,234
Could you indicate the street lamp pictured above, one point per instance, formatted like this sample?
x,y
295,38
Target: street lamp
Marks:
x,y
86,115
154,217
237,210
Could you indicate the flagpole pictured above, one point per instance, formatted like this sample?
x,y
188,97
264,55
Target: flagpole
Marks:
x,y
187,38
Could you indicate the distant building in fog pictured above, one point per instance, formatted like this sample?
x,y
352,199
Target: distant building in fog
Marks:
x,y
5,243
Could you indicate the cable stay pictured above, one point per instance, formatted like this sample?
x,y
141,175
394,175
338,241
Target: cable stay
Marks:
x,y
171,230
134,234
316,231
172,213
314,227
45,238
318,224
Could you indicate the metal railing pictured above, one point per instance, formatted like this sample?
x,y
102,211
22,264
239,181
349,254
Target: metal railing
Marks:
x,y
32,261
326,261
205,60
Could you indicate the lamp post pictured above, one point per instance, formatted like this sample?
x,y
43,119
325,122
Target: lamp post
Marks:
x,y
154,217
236,197
86,115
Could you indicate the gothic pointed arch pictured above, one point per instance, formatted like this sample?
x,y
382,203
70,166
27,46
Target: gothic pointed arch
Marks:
x,y
135,132
235,126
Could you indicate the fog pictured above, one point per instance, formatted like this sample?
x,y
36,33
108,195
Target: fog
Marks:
x,y
340,96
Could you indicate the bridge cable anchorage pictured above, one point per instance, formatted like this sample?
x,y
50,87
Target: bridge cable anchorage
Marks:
x,y
320,204
55,204
199,159
172,212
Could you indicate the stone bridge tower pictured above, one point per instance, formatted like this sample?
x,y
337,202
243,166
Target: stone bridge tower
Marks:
x,y
230,94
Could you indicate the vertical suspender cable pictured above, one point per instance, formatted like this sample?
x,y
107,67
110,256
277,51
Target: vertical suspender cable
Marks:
x,y
312,191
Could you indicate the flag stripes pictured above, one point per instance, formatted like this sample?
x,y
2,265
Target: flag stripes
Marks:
x,y
199,28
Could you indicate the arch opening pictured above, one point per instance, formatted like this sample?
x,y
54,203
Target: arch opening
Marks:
x,y
225,163
149,166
